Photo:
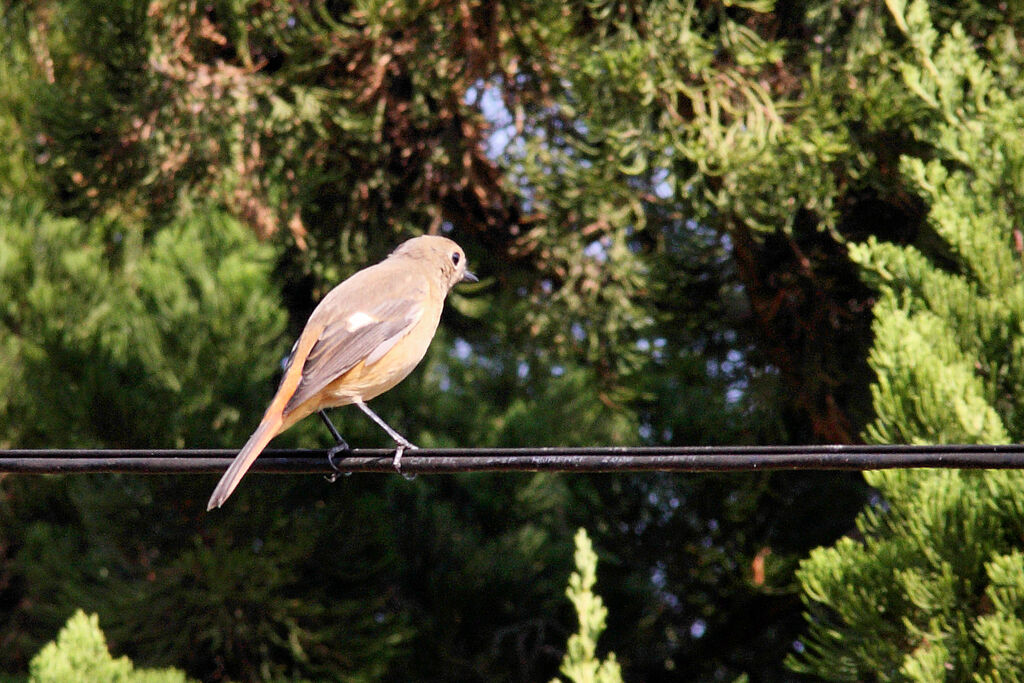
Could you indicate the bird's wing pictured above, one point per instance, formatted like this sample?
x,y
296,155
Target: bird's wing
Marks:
x,y
354,336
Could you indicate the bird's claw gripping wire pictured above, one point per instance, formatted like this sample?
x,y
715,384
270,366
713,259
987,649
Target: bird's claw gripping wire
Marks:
x,y
402,447
332,453
402,444
340,447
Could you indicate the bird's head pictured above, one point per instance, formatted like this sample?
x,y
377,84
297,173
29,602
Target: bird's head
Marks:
x,y
441,252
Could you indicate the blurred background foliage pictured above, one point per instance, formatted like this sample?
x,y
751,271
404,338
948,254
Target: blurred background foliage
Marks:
x,y
659,197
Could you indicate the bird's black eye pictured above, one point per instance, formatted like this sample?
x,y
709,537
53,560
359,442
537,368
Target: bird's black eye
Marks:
x,y
455,258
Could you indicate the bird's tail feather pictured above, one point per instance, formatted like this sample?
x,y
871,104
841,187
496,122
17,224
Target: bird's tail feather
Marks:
x,y
268,429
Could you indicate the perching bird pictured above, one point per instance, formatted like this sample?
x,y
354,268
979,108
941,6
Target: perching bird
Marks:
x,y
365,337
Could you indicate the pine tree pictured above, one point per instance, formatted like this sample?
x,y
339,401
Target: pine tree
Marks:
x,y
80,654
580,663
120,338
932,589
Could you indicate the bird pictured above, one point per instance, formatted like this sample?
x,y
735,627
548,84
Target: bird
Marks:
x,y
363,338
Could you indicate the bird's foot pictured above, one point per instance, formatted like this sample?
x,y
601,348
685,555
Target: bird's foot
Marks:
x,y
332,453
402,446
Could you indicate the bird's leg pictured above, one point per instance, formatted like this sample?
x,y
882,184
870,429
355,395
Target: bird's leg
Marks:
x,y
341,446
401,442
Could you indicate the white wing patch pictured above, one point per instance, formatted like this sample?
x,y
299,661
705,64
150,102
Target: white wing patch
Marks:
x,y
358,320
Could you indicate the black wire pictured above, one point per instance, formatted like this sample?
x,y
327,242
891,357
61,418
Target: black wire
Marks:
x,y
592,459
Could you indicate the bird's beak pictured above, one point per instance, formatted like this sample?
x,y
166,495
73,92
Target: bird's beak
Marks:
x,y
469,277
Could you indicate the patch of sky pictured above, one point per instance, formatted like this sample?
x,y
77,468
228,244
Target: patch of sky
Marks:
x,y
523,369
487,96
698,628
461,349
660,180
597,250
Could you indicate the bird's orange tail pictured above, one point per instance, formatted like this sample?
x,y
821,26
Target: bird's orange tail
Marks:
x,y
268,429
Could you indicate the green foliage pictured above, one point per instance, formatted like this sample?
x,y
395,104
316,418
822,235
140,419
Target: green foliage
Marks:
x,y
647,215
17,172
113,337
306,118
580,663
646,122
966,309
80,654
930,592
916,592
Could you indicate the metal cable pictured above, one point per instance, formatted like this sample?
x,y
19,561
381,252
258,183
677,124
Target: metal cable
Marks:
x,y
588,459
